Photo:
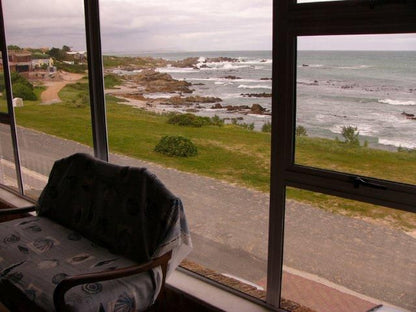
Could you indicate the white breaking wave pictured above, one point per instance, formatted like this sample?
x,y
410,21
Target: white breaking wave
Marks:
x,y
397,102
256,61
174,70
311,65
220,65
224,79
254,87
223,83
354,67
398,143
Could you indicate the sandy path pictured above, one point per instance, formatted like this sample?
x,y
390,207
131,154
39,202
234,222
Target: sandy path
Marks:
x,y
50,95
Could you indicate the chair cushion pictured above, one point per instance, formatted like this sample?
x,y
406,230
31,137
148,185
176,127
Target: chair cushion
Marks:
x,y
36,253
86,194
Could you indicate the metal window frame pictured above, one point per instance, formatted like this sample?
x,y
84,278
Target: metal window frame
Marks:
x,y
289,21
96,79
320,18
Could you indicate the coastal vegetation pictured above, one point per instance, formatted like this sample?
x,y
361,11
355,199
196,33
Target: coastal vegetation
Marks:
x,y
229,153
191,120
22,88
178,146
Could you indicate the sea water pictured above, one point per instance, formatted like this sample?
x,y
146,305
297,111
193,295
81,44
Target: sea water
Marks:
x,y
365,89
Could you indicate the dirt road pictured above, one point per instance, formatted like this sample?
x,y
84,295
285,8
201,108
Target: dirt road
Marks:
x,y
50,95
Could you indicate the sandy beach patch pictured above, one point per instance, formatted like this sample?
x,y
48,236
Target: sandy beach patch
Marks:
x,y
50,95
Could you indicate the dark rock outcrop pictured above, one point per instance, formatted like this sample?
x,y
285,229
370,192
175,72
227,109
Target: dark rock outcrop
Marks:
x,y
262,95
257,109
231,77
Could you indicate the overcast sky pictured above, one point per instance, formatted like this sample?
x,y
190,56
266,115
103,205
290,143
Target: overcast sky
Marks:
x,y
166,25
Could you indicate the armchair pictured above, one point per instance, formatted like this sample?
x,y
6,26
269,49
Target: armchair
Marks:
x,y
105,238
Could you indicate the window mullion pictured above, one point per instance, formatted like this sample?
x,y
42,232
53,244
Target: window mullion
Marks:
x,y
96,79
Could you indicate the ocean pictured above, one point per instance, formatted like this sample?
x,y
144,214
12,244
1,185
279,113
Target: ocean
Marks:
x,y
369,90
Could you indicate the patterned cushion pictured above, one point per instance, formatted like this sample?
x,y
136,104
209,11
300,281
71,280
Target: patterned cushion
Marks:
x,y
37,253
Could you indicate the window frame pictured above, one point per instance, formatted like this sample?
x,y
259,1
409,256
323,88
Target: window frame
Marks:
x,y
291,20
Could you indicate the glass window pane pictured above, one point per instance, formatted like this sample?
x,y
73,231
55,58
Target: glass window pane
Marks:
x,y
343,255
356,107
168,74
48,65
7,166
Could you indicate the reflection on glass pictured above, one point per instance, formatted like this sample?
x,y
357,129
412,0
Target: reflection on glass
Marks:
x,y
219,99
356,109
333,261
47,59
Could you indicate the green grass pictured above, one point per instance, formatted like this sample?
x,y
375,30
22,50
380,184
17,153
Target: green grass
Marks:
x,y
112,80
229,153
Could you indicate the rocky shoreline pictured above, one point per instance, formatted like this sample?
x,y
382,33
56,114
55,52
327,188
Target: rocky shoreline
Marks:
x,y
147,88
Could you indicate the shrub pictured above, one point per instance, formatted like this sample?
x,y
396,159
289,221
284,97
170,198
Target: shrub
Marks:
x,y
267,127
189,120
217,121
23,91
350,135
72,68
301,131
176,146
21,86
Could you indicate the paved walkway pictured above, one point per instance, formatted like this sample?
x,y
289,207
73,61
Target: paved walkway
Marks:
x,y
229,230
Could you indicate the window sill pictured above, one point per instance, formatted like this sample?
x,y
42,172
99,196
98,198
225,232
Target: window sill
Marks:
x,y
211,295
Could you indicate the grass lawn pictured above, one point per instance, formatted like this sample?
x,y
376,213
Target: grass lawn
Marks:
x,y
229,153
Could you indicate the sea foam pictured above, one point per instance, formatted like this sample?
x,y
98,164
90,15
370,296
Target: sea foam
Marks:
x,y
174,70
398,143
397,102
254,87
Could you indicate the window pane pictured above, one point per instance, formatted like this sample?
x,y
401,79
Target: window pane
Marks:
x,y
7,167
48,68
343,255
225,88
356,108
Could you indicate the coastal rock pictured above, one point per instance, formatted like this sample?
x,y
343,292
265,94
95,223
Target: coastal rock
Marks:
x,y
260,95
231,77
188,62
409,116
221,59
216,106
257,109
194,99
234,108
135,96
152,81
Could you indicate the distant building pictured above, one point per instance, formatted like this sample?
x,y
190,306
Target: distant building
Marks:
x,y
20,61
78,56
38,63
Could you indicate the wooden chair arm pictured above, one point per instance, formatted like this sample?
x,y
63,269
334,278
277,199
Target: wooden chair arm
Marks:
x,y
72,281
12,211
